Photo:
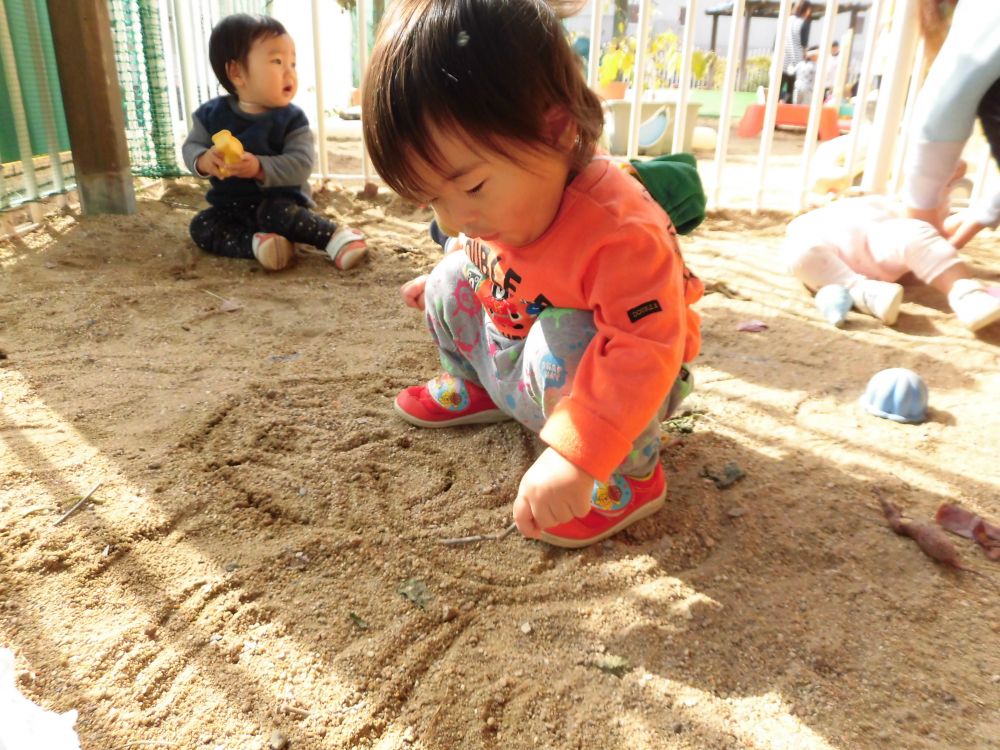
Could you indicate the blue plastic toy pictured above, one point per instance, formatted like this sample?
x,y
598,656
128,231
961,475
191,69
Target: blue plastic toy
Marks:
x,y
834,301
897,394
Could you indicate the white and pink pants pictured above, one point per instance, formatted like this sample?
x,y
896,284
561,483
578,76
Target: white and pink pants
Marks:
x,y
863,238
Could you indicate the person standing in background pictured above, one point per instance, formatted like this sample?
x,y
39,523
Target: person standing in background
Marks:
x,y
795,45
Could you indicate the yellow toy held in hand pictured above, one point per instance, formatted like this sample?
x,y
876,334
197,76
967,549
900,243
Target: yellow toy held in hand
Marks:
x,y
229,146
444,227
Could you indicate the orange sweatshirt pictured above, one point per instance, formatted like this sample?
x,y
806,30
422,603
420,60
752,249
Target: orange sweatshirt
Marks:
x,y
612,250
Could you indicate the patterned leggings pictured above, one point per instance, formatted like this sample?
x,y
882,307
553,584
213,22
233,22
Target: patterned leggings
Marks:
x,y
526,377
229,230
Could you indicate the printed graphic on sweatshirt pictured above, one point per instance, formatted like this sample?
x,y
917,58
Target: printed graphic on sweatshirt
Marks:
x,y
497,289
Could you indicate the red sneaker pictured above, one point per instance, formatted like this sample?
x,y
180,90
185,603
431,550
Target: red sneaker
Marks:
x,y
447,401
613,507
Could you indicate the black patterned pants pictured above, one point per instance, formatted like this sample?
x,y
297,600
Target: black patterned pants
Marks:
x,y
229,230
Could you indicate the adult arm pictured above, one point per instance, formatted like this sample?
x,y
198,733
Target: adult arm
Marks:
x,y
964,71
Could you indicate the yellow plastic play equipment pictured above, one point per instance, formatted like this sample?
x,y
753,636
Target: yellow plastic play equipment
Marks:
x,y
229,146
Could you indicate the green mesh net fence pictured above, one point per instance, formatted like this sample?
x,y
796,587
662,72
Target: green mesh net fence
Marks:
x,y
147,52
156,88
138,41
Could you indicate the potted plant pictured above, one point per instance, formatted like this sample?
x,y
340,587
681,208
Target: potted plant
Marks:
x,y
617,67
614,72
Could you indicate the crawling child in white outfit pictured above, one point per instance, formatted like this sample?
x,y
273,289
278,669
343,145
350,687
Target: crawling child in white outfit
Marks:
x,y
866,244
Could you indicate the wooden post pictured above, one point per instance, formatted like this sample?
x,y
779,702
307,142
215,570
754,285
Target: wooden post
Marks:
x,y
85,57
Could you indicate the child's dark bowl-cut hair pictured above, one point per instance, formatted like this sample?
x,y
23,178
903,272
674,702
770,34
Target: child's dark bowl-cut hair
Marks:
x,y
232,38
487,69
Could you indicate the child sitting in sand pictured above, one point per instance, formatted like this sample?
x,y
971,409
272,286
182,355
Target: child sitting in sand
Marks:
x,y
866,244
260,205
567,304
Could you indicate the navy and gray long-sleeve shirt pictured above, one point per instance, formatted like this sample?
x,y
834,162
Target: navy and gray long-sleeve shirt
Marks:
x,y
280,138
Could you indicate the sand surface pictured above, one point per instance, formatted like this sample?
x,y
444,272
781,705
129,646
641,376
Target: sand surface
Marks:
x,y
239,570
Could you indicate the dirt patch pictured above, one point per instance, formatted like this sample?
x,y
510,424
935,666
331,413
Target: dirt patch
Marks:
x,y
239,570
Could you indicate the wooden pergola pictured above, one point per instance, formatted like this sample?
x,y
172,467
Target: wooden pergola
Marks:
x,y
769,9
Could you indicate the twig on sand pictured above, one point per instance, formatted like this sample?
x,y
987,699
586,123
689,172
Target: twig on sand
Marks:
x,y
227,305
480,537
76,506
136,743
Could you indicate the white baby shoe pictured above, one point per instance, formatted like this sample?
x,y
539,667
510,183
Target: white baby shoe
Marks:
x,y
974,306
880,299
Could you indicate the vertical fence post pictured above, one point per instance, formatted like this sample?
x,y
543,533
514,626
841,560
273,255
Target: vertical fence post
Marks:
x,y
891,96
982,174
362,7
594,59
201,15
816,102
771,104
908,114
185,37
687,55
18,113
635,119
873,29
320,110
171,68
45,94
722,145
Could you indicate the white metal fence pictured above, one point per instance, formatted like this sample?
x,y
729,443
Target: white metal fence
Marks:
x,y
874,148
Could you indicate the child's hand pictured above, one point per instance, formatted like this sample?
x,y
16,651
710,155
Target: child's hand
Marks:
x,y
248,167
212,164
413,292
959,229
552,491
